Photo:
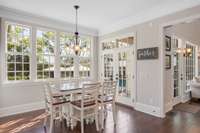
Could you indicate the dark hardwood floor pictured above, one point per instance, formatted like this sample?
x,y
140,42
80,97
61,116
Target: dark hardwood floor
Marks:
x,y
128,121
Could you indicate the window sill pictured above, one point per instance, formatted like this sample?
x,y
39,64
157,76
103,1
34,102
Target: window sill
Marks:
x,y
37,82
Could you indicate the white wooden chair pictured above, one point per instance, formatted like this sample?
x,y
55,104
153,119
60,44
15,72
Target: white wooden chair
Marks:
x,y
87,106
53,104
107,96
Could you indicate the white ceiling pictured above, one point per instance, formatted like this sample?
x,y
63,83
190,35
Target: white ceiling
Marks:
x,y
104,15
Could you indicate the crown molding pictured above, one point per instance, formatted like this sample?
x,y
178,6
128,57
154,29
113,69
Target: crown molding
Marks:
x,y
17,15
148,15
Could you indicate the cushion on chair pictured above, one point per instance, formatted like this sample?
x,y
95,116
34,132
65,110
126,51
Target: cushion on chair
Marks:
x,y
105,99
86,104
60,102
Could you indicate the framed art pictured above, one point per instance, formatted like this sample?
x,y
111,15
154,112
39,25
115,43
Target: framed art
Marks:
x,y
167,43
167,61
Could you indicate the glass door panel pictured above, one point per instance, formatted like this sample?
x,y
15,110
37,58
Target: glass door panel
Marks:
x,y
108,65
190,56
123,89
118,65
176,66
125,71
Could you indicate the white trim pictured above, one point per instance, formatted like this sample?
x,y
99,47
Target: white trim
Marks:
x,y
133,49
185,98
168,106
33,60
161,32
21,108
149,109
20,16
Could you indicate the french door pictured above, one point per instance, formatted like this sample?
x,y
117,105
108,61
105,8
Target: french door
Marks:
x,y
177,61
184,67
118,65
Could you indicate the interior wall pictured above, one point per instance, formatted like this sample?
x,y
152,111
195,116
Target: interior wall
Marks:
x,y
25,96
150,72
186,32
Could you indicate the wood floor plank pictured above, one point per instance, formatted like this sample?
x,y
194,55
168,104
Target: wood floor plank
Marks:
x,y
128,121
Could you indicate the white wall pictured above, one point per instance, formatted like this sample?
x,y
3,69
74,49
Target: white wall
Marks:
x,y
150,73
149,76
186,32
22,97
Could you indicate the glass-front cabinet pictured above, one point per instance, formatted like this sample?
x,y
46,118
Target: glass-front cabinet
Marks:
x,y
118,64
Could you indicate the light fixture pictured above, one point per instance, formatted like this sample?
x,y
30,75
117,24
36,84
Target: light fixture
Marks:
x,y
185,51
76,34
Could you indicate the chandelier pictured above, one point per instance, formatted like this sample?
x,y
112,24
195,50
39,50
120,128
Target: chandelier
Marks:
x,y
185,51
76,34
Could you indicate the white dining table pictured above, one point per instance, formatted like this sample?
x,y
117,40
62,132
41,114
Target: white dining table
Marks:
x,y
70,88
63,88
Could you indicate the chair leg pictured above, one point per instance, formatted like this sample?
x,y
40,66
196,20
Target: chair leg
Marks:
x,y
82,122
82,125
114,112
45,121
96,119
51,124
102,116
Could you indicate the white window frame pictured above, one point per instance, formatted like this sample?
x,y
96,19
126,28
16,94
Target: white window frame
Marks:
x,y
49,55
33,55
4,30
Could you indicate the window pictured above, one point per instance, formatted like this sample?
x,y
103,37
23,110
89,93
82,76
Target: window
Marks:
x,y
118,43
84,67
17,52
45,54
85,57
66,56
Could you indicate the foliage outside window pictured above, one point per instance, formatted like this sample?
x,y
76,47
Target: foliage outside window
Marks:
x,y
45,54
66,56
17,52
84,61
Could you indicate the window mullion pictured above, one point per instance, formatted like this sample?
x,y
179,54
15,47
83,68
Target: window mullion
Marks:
x,y
33,58
57,57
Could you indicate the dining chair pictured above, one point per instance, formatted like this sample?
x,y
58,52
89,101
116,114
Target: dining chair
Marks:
x,y
106,97
87,106
53,106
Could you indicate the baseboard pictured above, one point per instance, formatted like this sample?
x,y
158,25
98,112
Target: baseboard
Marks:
x,y
125,105
152,110
185,99
21,109
168,107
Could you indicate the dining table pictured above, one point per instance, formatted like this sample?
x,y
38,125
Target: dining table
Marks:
x,y
68,89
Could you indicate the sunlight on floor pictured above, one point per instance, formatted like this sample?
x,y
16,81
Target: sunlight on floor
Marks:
x,y
24,124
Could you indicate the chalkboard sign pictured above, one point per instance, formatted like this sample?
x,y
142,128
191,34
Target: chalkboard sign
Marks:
x,y
147,53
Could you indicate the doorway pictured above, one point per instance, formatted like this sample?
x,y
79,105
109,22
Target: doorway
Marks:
x,y
181,48
118,64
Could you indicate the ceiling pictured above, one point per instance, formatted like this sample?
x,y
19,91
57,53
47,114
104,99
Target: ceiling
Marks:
x,y
103,15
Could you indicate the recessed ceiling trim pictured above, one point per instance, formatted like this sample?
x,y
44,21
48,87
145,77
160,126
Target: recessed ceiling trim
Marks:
x,y
40,21
153,13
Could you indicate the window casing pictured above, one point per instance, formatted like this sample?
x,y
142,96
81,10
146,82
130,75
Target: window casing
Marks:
x,y
18,42
45,54
42,54
67,56
85,57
